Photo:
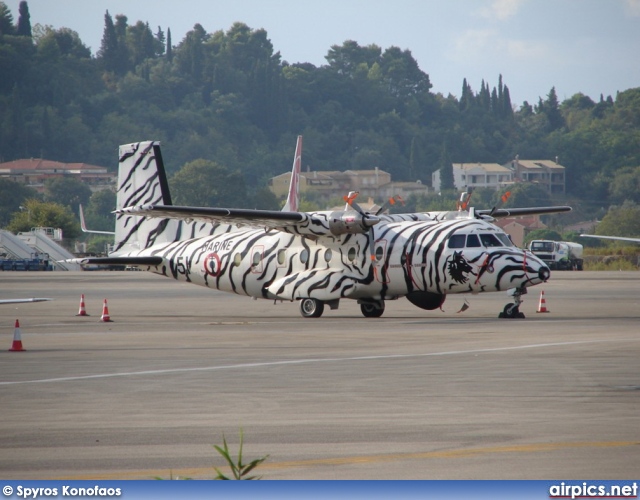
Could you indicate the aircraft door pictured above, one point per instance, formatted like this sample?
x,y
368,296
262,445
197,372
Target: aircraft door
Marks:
x,y
380,267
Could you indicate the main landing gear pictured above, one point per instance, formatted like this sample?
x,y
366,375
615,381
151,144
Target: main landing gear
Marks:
x,y
512,310
311,308
372,309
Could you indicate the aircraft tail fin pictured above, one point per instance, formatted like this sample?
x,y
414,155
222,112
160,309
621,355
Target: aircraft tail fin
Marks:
x,y
294,186
142,181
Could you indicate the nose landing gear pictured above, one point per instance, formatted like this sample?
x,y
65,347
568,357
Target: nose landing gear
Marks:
x,y
512,310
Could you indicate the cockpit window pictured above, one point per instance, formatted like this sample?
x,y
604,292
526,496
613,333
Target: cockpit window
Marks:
x,y
473,241
506,241
457,241
489,240
478,241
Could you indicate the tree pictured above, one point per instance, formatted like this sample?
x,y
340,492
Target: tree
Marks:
x,y
67,191
160,38
98,214
6,20
446,170
142,44
527,194
24,21
345,58
205,183
551,109
12,196
38,213
622,220
109,47
169,46
625,185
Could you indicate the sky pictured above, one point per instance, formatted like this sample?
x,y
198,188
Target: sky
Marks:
x,y
587,46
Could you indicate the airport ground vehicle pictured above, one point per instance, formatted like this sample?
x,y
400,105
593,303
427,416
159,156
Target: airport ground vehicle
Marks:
x,y
561,255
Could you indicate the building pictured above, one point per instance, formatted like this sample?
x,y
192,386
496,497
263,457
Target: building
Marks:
x,y
33,172
476,175
374,184
547,173
519,227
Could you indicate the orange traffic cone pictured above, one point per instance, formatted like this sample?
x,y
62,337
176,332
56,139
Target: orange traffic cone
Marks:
x,y
17,339
82,311
542,306
105,313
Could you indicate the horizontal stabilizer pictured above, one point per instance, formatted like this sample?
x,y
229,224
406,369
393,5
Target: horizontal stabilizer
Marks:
x,y
260,218
119,261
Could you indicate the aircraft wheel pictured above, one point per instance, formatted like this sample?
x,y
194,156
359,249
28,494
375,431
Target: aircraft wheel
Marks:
x,y
371,311
510,311
311,308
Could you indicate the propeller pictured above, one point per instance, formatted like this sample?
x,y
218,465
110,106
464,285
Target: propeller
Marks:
x,y
503,200
465,199
390,202
368,220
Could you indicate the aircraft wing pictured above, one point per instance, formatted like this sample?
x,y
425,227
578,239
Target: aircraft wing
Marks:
x,y
517,212
617,238
259,218
22,301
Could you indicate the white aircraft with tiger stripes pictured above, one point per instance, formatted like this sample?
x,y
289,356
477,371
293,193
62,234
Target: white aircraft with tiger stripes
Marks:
x,y
316,258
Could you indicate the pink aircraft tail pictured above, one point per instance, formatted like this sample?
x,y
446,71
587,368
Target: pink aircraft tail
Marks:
x,y
294,189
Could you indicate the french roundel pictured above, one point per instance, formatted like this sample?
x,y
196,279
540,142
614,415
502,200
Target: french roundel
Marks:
x,y
212,265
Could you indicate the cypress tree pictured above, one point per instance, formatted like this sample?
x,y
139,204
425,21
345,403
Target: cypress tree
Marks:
x,y
24,21
506,103
109,46
446,170
169,48
123,49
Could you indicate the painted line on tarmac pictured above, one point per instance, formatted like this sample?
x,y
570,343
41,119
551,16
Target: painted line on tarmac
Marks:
x,y
304,361
203,472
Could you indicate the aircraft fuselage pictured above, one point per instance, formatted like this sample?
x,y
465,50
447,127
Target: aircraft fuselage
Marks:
x,y
407,256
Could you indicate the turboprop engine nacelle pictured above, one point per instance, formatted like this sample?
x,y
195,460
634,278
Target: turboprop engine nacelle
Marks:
x,y
351,222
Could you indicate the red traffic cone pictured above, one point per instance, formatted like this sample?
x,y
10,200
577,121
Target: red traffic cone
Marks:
x,y
542,306
105,313
17,339
82,311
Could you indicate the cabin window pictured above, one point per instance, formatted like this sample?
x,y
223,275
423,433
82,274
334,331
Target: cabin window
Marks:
x,y
327,255
489,240
351,254
256,259
282,255
473,241
379,253
456,241
304,256
237,259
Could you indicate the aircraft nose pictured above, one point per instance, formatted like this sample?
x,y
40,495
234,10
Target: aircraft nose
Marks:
x,y
544,273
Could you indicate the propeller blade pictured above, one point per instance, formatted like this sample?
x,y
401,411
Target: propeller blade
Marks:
x,y
391,201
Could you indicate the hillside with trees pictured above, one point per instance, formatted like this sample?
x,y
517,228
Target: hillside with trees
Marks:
x,y
226,102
